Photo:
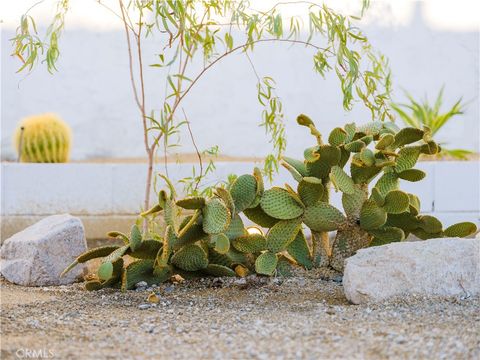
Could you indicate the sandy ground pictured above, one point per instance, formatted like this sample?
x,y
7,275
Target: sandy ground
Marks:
x,y
254,318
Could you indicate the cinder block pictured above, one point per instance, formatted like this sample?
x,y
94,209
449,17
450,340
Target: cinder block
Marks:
x,y
456,186
44,189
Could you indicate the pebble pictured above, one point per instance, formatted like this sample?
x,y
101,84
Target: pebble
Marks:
x,y
141,284
217,282
241,281
309,321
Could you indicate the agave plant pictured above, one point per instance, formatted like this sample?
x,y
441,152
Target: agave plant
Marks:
x,y
419,114
207,236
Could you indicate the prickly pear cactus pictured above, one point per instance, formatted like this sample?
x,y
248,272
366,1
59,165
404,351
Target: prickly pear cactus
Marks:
x,y
43,139
207,236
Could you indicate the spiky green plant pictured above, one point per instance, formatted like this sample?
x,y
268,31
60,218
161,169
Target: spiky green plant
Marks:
x,y
207,236
419,114
44,138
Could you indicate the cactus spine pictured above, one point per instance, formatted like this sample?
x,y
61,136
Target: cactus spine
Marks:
x,y
43,138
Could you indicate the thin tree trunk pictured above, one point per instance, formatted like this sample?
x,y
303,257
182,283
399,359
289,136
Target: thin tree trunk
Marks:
x,y
349,239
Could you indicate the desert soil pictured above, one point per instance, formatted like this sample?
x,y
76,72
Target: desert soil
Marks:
x,y
255,318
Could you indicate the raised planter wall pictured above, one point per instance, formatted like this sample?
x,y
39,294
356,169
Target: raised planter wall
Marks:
x,y
108,196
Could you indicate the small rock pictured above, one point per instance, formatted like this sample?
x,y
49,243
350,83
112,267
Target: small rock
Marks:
x,y
153,298
440,267
141,284
37,255
169,289
177,279
330,311
337,278
217,282
241,281
144,306
277,281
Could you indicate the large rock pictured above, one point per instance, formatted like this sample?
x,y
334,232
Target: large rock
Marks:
x,y
37,255
443,267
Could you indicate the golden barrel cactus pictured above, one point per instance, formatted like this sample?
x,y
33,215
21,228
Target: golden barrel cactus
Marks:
x,y
44,138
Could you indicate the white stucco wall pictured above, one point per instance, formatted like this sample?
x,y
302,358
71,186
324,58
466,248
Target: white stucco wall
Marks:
x,y
92,90
109,196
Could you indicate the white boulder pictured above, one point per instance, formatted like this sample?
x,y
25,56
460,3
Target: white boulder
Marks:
x,y
439,267
37,255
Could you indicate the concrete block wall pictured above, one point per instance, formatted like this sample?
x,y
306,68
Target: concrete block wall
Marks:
x,y
108,196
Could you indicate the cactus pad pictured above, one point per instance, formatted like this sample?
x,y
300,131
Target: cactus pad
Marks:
x,y
386,235
193,234
372,216
219,270
216,216
430,224
352,203
135,238
171,214
372,128
140,270
299,251
412,175
310,190
282,234
341,180
405,221
227,199
355,146
89,255
363,174
407,136
304,120
192,203
222,243
430,148
407,158
280,204
293,171
323,217
258,216
115,255
244,192
190,258
377,197
385,141
462,229
266,263
105,271
337,137
387,183
396,202
414,204
367,157
297,164
236,228
251,243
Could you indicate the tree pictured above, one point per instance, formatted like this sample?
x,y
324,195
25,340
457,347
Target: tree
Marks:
x,y
204,30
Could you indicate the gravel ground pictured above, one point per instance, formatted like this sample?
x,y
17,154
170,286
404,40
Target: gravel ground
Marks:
x,y
254,318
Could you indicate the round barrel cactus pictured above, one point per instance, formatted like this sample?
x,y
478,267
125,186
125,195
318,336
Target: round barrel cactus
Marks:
x,y
44,138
